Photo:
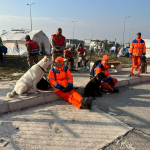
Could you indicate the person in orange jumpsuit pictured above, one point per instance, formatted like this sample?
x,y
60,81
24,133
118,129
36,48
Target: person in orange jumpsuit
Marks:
x,y
110,82
61,79
137,49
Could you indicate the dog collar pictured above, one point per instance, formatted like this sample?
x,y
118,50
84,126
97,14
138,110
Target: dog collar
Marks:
x,y
41,68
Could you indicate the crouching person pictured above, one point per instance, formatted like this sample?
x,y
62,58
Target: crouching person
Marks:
x,y
61,79
81,54
109,82
68,58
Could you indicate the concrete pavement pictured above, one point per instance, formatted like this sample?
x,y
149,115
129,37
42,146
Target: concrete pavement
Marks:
x,y
80,80
131,106
59,126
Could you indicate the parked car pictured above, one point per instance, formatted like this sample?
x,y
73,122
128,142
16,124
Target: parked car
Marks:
x,y
124,52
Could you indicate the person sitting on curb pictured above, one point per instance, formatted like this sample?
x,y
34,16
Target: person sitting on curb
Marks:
x,y
68,58
110,82
81,54
61,80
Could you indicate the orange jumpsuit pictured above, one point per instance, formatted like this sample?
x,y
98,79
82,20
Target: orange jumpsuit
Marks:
x,y
64,78
137,49
104,68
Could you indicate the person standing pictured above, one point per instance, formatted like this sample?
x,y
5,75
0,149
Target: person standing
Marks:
x,y
137,49
58,44
81,54
32,51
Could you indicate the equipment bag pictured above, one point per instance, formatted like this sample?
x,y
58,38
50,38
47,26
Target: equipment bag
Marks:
x,y
4,49
43,84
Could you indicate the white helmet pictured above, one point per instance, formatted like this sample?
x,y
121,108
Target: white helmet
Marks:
x,y
135,71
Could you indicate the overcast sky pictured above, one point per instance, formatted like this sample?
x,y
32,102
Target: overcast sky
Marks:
x,y
105,17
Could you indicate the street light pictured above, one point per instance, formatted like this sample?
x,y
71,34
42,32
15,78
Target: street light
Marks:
x,y
73,27
124,29
129,34
30,14
92,33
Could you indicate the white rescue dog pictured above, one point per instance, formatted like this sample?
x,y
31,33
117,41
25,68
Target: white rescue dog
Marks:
x,y
30,79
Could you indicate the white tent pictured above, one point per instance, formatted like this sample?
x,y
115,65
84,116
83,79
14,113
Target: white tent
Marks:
x,y
147,43
15,42
112,49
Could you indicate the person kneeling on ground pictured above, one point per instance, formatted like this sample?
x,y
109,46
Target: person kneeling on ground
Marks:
x,y
109,82
61,79
68,58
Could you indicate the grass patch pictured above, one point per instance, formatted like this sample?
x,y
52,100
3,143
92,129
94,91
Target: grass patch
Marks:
x,y
14,67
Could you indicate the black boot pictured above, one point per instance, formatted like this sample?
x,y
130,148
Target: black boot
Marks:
x,y
78,64
87,103
116,91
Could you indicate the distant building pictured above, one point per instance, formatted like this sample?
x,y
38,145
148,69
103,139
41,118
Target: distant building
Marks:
x,y
73,42
88,43
147,43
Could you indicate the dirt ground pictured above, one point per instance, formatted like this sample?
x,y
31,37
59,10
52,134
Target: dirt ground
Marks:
x,y
13,67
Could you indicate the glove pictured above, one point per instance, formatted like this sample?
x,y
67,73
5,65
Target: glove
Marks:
x,y
63,89
104,80
70,86
109,78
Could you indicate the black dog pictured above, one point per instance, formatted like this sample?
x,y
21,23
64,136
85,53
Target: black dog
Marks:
x,y
93,85
143,65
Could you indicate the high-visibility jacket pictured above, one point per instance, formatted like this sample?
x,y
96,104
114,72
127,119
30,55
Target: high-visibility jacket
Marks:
x,y
137,47
33,47
69,55
102,68
60,77
58,42
81,51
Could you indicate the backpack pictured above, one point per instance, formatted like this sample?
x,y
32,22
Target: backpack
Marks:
x,y
43,84
92,70
64,68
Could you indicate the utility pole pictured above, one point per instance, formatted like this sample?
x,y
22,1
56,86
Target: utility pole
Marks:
x,y
30,14
124,29
129,34
73,27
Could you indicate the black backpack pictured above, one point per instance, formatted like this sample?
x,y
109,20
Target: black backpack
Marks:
x,y
92,70
43,84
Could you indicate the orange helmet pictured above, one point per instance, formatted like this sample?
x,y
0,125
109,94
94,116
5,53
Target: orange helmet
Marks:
x,y
59,60
105,58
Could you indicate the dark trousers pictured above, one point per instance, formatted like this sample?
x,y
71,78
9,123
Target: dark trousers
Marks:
x,y
1,55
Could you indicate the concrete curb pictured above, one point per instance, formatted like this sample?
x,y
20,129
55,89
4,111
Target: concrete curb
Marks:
x,y
50,97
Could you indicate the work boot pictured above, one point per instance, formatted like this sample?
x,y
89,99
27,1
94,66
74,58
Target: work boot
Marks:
x,y
116,91
78,64
87,103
